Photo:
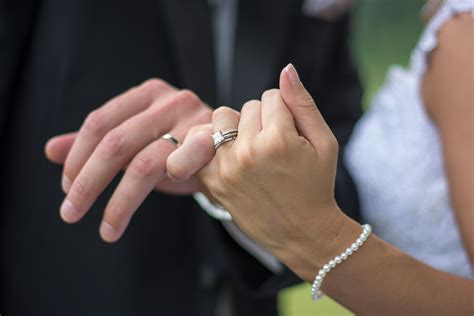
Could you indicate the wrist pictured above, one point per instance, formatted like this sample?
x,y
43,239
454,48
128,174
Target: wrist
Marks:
x,y
323,243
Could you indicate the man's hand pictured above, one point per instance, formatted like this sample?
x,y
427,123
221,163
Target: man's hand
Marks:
x,y
125,134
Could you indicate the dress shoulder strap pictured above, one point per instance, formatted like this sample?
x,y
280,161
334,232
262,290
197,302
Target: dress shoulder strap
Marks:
x,y
429,38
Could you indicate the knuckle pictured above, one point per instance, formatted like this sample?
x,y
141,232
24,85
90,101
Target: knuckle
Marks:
x,y
186,98
228,175
79,189
307,100
245,158
277,144
153,85
95,124
180,101
142,166
222,112
250,104
112,144
116,215
270,93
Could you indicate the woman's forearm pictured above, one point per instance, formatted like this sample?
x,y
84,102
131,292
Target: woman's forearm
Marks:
x,y
378,279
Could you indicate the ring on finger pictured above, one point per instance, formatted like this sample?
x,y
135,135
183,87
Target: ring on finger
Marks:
x,y
171,139
220,137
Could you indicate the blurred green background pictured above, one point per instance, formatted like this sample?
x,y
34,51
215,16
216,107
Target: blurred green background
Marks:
x,y
384,33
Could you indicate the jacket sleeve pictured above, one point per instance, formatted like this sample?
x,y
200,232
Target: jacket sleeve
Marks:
x,y
16,21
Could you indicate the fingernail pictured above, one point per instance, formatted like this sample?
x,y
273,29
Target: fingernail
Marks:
x,y
68,212
292,73
66,184
107,232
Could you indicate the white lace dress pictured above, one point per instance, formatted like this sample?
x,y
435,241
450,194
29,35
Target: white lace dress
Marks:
x,y
396,160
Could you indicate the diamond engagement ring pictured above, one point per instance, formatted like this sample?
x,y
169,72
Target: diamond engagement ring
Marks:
x,y
220,137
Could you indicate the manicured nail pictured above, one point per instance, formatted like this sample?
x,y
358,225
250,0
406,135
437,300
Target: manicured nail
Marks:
x,y
68,212
292,73
66,184
107,232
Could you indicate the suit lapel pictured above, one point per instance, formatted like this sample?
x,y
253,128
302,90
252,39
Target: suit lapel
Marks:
x,y
262,33
190,30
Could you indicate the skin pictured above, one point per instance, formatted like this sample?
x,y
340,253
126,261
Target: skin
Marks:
x,y
124,134
302,225
449,96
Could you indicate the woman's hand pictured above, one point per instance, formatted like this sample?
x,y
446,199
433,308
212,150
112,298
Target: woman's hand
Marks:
x,y
277,180
277,177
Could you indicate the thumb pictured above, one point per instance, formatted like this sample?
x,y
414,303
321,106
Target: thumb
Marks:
x,y
57,148
308,120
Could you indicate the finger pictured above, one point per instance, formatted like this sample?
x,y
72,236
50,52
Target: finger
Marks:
x,y
275,113
140,178
107,117
117,148
250,123
225,119
58,147
196,151
308,120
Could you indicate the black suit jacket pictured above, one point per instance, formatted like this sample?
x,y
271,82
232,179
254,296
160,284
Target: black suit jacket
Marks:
x,y
59,60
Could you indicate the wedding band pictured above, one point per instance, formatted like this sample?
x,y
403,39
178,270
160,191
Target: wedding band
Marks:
x,y
220,137
170,138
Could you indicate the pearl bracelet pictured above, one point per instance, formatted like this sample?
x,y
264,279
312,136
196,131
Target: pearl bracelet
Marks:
x,y
316,293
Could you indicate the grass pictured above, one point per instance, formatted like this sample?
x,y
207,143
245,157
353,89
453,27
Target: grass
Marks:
x,y
384,33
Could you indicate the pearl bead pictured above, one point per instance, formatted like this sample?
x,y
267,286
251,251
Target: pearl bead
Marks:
x,y
316,293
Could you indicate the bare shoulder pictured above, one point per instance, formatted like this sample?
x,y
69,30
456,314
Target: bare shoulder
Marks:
x,y
462,23
449,80
456,39
448,90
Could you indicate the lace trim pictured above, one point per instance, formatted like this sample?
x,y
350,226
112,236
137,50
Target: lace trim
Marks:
x,y
429,39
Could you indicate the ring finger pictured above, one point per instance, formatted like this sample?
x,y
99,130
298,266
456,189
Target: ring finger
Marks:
x,y
224,119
